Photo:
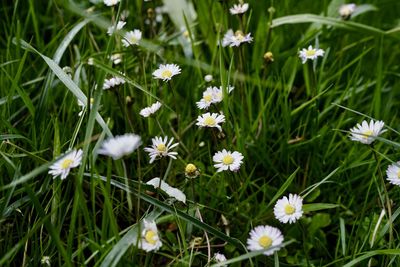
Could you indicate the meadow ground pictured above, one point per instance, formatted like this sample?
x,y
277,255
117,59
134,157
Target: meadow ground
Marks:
x,y
270,137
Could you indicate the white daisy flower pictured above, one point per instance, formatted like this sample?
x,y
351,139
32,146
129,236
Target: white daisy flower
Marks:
x,y
210,120
208,78
219,257
236,39
166,72
289,209
345,11
83,106
113,82
367,133
148,111
226,160
161,148
212,95
117,27
310,53
171,191
149,240
66,163
393,173
264,237
132,38
239,8
111,2
119,146
219,95
116,58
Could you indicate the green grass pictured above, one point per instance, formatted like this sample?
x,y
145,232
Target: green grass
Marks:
x,y
290,121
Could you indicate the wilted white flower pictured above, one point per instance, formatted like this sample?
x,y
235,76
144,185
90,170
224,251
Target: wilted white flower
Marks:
x,y
161,148
166,72
111,2
191,171
239,8
208,78
235,39
63,165
132,38
289,209
310,53
218,257
367,133
113,82
264,237
210,120
393,173
148,111
117,27
171,191
227,160
149,240
345,11
119,146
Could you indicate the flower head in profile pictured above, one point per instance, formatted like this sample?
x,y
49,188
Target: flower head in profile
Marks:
x,y
226,160
149,239
289,210
211,120
367,133
310,53
346,10
118,27
132,38
219,257
169,190
393,173
148,111
161,148
120,146
235,39
63,165
113,82
111,2
166,72
239,8
191,171
265,237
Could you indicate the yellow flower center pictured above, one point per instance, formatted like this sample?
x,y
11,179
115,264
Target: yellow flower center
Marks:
x,y
207,98
150,237
209,121
91,100
133,39
161,147
398,174
66,163
190,168
166,74
265,241
227,160
367,134
289,209
239,36
310,53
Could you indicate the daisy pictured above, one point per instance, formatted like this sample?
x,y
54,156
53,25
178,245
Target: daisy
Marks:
x,y
191,171
219,95
236,39
161,148
132,38
227,160
310,53
119,146
219,257
63,165
239,8
116,58
208,78
149,239
210,120
265,237
148,111
367,133
166,72
111,2
113,82
169,190
113,28
212,95
345,11
393,173
289,210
